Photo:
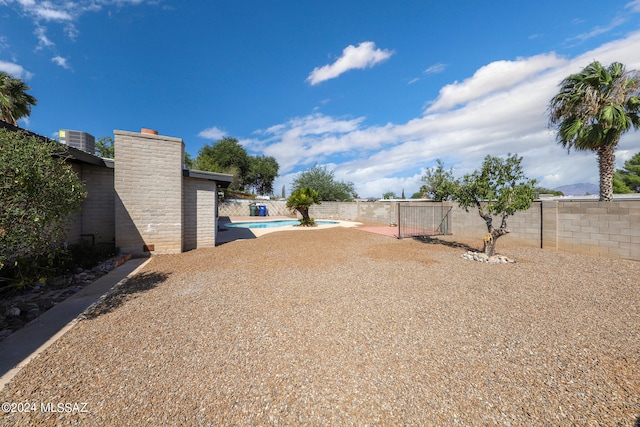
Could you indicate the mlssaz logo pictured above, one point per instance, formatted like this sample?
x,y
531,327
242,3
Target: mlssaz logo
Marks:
x,y
64,407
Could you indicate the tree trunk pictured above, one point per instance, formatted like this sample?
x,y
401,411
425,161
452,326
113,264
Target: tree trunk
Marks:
x,y
304,211
493,234
490,240
606,164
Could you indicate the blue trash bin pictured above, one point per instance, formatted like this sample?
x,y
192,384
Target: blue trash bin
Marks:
x,y
262,210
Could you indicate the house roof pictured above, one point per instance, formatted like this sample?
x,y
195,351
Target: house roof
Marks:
x,y
73,154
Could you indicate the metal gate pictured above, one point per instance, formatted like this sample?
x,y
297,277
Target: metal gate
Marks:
x,y
423,220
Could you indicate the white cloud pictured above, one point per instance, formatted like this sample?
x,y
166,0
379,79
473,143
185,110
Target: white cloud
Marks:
x,y
313,138
496,76
64,12
43,40
51,14
501,109
71,31
60,61
212,133
15,70
634,6
125,2
47,10
435,69
365,55
616,22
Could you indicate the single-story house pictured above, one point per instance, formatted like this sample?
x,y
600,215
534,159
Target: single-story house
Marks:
x,y
144,200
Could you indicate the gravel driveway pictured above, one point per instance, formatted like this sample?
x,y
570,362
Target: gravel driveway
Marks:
x,y
344,327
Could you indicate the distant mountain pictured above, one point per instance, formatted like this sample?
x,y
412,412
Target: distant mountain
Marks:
x,y
579,189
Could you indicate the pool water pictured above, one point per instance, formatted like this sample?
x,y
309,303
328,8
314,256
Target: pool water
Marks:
x,y
272,224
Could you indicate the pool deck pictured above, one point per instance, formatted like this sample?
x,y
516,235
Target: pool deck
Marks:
x,y
230,234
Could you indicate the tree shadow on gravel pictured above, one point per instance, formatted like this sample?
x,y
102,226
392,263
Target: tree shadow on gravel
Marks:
x,y
434,241
125,291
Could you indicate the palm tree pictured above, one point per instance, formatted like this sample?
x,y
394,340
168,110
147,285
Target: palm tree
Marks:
x,y
301,200
15,102
593,109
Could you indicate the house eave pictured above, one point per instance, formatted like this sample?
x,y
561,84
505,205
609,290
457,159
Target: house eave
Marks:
x,y
222,179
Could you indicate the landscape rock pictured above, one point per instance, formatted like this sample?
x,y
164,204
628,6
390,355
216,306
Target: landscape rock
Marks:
x,y
482,257
32,314
38,297
12,312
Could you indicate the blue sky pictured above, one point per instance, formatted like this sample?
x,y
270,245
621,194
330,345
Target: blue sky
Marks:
x,y
375,90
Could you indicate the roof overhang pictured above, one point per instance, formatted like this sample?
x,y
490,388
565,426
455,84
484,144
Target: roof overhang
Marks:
x,y
222,179
80,156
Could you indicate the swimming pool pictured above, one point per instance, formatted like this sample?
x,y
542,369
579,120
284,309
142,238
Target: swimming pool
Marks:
x,y
272,224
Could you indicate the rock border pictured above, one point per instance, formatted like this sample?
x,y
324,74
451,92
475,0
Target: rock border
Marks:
x,y
482,257
18,311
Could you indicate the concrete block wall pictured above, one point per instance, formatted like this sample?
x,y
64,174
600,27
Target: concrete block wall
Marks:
x,y
347,211
382,212
607,228
74,222
148,186
98,209
95,223
549,224
200,222
240,207
327,210
524,227
334,210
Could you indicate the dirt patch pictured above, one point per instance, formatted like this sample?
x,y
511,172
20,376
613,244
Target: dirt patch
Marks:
x,y
401,250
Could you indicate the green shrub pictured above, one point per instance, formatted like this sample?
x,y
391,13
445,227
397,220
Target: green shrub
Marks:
x,y
38,193
308,222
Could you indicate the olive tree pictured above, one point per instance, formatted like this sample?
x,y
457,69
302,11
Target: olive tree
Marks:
x,y
439,184
499,188
38,192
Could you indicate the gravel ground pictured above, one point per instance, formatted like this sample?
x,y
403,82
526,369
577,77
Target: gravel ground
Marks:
x,y
344,327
